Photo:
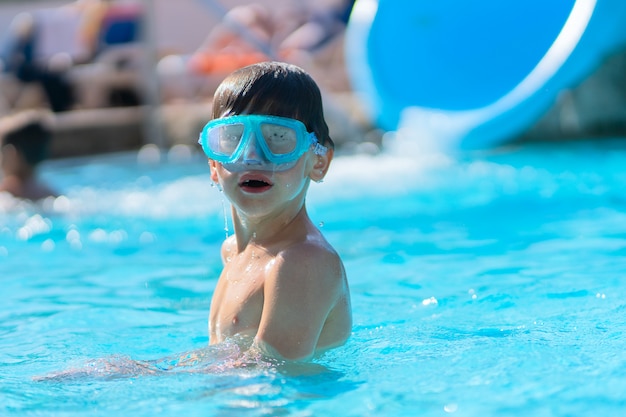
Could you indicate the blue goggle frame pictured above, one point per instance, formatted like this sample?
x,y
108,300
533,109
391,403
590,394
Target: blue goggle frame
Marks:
x,y
252,123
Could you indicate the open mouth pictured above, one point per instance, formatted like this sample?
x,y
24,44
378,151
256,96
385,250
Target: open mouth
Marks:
x,y
255,183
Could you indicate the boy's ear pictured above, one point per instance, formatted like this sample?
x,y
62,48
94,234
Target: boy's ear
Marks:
x,y
321,165
213,166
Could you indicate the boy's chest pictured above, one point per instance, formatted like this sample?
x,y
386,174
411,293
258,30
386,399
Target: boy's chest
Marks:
x,y
237,302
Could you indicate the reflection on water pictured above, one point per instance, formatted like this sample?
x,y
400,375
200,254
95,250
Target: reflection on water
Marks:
x,y
487,284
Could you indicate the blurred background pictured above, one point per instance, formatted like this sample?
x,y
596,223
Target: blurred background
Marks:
x,y
120,74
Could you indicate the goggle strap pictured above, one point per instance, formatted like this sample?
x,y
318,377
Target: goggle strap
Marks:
x,y
318,148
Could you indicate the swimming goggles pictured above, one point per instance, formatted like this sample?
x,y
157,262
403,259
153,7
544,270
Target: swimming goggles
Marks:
x,y
280,139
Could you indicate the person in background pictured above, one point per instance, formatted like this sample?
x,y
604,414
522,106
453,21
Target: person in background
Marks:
x,y
242,37
24,143
29,59
306,36
316,44
49,48
320,28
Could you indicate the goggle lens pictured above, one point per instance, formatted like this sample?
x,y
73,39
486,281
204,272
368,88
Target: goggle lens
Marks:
x,y
224,140
280,140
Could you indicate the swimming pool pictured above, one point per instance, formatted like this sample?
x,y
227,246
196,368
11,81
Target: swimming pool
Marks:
x,y
484,284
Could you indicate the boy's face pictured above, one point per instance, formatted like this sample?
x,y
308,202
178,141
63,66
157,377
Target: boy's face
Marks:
x,y
259,190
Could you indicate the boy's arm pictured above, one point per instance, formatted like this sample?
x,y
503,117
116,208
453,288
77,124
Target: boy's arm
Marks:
x,y
300,291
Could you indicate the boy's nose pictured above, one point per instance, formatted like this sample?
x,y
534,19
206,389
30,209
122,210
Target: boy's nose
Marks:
x,y
252,154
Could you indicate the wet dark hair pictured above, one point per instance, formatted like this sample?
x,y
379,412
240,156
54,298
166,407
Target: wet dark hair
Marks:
x,y
277,89
31,137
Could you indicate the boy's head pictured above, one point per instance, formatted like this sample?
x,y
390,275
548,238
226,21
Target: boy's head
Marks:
x,y
277,89
29,134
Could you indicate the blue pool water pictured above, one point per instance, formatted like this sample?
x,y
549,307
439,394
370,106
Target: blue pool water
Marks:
x,y
482,285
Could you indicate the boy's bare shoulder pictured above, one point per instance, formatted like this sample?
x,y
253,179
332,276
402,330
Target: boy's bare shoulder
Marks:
x,y
227,246
312,257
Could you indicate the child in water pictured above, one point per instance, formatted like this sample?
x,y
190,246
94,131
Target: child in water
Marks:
x,y
24,143
283,291
283,288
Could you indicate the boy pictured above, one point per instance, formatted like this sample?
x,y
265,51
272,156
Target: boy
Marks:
x,y
24,142
283,288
